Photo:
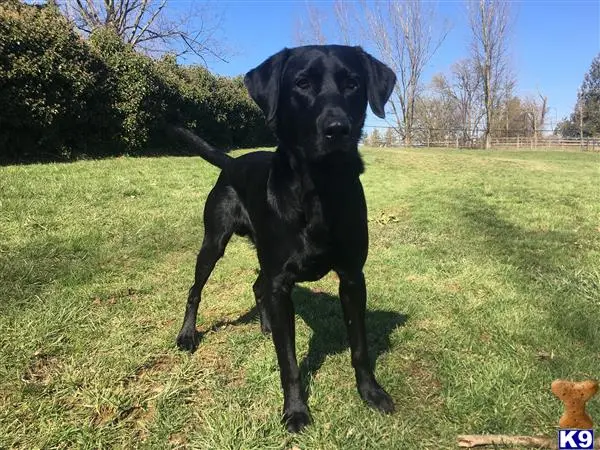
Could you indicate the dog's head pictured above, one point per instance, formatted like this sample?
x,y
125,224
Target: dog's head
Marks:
x,y
315,97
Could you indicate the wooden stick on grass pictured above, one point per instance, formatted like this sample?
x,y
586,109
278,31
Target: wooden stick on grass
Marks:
x,y
476,440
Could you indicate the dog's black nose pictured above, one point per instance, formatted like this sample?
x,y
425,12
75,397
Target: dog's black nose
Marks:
x,y
337,129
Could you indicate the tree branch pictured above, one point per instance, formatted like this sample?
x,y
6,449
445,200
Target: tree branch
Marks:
x,y
143,9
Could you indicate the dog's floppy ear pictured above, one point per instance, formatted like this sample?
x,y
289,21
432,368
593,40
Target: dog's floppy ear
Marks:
x,y
263,81
380,83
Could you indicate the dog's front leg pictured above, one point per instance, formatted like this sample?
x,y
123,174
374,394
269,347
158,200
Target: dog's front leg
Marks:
x,y
353,295
281,313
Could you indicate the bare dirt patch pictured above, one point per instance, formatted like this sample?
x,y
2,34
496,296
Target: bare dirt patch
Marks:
x,y
425,383
42,369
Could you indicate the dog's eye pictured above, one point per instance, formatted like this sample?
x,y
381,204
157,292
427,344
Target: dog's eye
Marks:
x,y
350,85
303,83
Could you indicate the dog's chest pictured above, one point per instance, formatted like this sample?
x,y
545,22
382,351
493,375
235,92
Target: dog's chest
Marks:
x,y
312,257
328,232
315,249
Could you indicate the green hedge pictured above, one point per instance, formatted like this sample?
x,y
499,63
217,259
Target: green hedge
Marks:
x,y
48,78
63,97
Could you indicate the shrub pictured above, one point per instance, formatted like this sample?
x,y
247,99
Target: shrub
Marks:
x,y
217,108
48,77
64,97
133,89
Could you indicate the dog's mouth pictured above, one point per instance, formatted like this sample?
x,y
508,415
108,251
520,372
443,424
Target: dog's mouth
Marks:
x,y
337,151
339,161
343,144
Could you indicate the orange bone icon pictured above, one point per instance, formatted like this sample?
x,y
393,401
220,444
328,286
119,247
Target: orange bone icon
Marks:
x,y
575,396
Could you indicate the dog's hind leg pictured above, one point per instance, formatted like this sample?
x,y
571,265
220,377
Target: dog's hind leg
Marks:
x,y
218,229
259,294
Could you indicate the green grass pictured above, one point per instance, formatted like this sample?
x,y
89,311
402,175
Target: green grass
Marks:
x,y
483,280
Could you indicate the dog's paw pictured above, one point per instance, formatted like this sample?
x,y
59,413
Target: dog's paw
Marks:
x,y
188,340
377,398
296,421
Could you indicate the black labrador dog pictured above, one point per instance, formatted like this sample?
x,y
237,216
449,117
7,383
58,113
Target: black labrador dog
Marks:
x,y
303,205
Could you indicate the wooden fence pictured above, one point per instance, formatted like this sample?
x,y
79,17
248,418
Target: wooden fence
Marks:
x,y
525,143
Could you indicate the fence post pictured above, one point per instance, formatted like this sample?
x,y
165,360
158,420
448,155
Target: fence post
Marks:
x,y
518,146
456,141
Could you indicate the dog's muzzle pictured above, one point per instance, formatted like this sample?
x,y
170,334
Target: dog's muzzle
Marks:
x,y
335,129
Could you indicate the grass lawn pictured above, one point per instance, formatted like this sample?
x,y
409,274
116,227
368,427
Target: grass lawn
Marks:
x,y
483,280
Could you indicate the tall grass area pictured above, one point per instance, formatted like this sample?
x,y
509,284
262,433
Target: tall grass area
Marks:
x,y
483,285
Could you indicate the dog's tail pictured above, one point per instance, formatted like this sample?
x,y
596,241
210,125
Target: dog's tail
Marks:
x,y
206,151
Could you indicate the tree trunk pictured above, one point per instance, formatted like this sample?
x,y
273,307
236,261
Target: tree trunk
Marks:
x,y
488,106
407,129
581,125
407,136
487,139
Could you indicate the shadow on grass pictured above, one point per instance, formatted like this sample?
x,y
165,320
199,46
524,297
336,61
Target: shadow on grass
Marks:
x,y
46,260
323,314
548,265
27,270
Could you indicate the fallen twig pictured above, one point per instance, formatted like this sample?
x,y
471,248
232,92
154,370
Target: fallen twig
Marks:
x,y
476,440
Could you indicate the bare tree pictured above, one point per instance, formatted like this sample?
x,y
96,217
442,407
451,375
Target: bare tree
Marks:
x,y
436,118
150,26
467,86
536,109
310,30
401,33
389,138
461,94
489,22
375,139
511,121
344,21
